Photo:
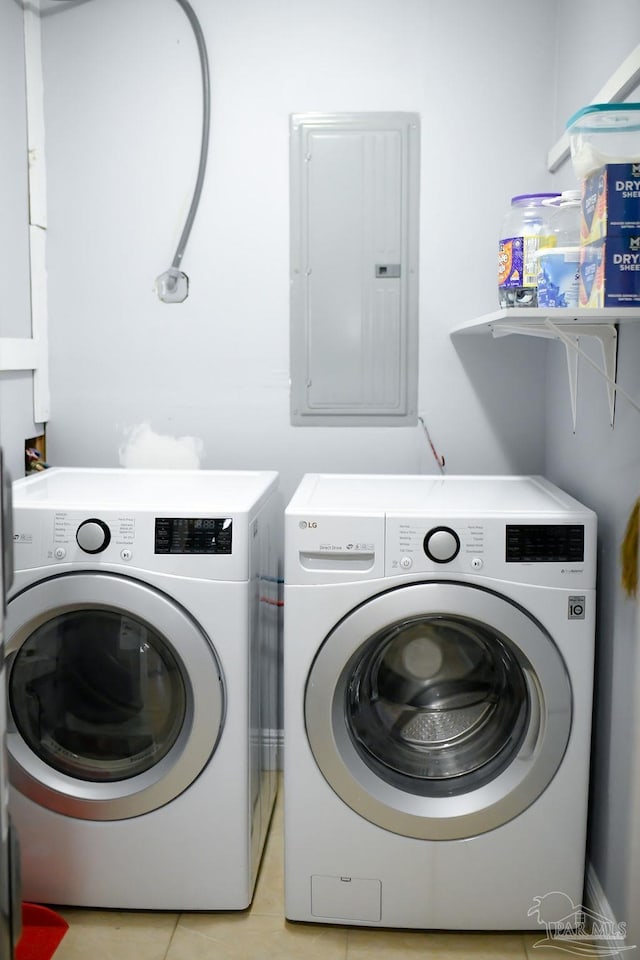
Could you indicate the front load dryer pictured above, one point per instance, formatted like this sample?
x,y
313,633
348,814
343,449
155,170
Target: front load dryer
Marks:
x,y
140,653
438,656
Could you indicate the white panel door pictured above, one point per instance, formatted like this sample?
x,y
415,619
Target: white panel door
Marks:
x,y
354,327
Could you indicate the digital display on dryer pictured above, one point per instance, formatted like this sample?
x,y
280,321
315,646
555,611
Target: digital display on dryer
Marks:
x,y
193,535
545,543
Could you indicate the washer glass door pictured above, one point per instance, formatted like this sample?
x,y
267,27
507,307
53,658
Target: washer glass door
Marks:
x,y
115,696
437,704
438,710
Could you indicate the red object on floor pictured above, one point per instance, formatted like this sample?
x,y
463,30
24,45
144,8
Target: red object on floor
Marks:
x,y
42,931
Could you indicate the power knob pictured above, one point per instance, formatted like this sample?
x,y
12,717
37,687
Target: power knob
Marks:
x,y
93,536
442,544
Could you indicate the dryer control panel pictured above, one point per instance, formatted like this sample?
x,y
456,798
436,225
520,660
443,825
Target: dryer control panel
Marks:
x,y
212,547
187,535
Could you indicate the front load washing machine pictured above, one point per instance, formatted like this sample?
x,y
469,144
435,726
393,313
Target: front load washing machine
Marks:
x,y
438,654
141,648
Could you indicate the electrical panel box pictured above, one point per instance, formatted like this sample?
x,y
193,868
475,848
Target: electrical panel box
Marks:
x,y
354,269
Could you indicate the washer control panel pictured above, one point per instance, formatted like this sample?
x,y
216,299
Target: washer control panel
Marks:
x,y
536,552
420,546
545,543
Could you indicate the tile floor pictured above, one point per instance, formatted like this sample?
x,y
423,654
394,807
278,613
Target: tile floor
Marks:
x,y
262,932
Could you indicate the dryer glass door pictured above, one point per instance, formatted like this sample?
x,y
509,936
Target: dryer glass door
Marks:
x,y
438,710
115,693
97,694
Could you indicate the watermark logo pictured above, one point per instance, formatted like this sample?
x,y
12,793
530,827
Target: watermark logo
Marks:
x,y
573,928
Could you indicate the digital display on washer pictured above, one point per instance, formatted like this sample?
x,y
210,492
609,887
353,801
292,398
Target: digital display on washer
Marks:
x,y
545,543
202,535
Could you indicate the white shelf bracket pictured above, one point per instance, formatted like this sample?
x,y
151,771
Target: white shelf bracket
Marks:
x,y
573,358
569,333
541,330
607,336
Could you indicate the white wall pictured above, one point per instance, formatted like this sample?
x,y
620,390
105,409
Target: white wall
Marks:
x,y
122,109
16,404
601,466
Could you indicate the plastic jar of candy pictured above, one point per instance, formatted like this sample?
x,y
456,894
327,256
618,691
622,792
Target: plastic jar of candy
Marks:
x,y
524,230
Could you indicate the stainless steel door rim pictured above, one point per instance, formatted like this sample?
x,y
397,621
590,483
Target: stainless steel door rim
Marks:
x,y
455,806
197,731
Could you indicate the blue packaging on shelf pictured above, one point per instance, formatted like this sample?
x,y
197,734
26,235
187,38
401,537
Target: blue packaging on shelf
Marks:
x,y
610,202
610,273
559,277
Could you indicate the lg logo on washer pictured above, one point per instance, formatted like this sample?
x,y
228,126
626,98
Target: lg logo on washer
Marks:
x,y
308,525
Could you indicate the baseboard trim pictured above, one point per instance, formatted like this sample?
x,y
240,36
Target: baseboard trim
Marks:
x,y
594,896
595,901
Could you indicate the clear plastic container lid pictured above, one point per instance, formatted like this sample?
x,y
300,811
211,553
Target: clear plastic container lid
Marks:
x,y
604,133
605,118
